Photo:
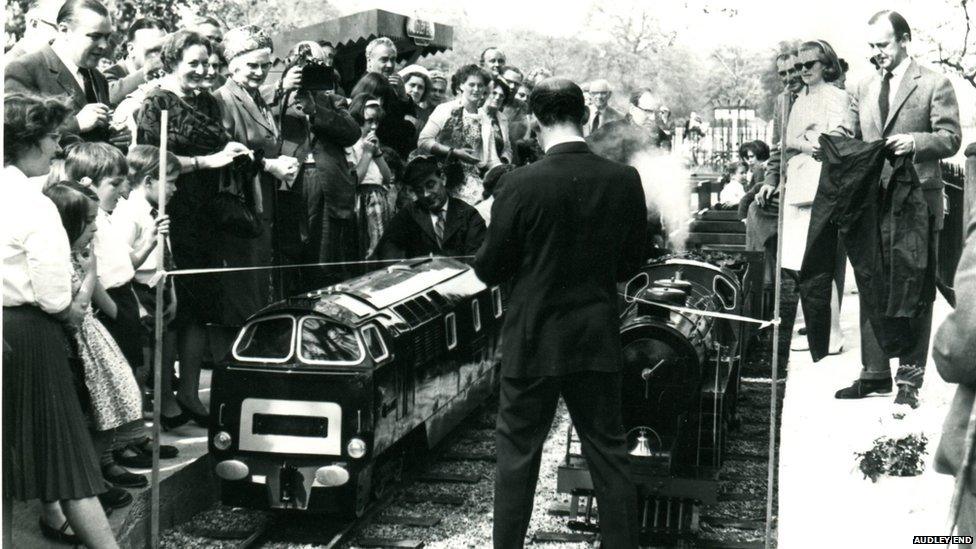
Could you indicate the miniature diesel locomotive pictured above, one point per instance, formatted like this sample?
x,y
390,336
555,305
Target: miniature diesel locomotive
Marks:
x,y
680,382
322,387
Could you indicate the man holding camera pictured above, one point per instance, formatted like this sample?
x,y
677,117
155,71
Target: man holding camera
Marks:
x,y
316,131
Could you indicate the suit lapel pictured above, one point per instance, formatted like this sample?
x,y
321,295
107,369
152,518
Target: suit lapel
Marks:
x,y
63,77
905,88
250,107
422,217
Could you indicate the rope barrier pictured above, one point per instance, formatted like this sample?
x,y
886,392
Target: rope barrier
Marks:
x,y
715,314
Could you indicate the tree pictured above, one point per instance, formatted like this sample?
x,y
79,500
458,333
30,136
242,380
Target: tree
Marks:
x,y
957,54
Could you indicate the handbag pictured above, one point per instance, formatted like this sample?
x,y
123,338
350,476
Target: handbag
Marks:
x,y
231,214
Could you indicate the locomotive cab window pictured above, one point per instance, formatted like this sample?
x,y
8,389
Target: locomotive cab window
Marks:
x,y
476,315
325,342
266,340
496,301
450,330
375,344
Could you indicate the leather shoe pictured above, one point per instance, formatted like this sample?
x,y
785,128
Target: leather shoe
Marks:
x,y
125,479
139,456
59,535
865,387
907,395
115,498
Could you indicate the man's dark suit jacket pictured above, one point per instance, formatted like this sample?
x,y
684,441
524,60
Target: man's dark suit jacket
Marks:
x,y
564,230
411,232
42,72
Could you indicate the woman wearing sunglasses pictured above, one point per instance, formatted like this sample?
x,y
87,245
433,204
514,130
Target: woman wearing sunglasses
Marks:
x,y
819,108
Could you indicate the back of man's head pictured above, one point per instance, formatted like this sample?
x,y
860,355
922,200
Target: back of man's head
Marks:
x,y
557,101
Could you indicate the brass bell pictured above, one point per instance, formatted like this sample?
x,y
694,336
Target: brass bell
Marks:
x,y
643,446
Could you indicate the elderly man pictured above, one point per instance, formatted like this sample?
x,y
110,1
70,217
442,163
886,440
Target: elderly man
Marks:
x,y
144,42
438,89
600,110
435,223
68,66
493,60
914,110
621,139
40,29
381,57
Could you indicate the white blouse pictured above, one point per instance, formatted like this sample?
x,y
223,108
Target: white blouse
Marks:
x,y
34,247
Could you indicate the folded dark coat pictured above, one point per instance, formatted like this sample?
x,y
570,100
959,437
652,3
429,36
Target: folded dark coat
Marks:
x,y
888,233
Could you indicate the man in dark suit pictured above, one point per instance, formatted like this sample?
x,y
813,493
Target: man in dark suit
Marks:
x,y
621,139
914,109
435,223
144,40
67,67
564,231
600,111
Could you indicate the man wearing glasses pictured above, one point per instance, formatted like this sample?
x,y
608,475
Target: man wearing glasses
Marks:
x,y
67,66
40,29
621,139
600,110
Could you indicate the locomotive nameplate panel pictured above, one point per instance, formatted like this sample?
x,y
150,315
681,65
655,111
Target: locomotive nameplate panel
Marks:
x,y
290,427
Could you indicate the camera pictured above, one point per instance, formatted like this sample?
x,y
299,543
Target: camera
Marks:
x,y
316,76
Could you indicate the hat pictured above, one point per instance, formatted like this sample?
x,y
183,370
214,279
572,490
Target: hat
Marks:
x,y
414,69
438,75
245,39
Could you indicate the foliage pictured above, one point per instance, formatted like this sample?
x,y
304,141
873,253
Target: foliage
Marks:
x,y
903,457
957,55
272,15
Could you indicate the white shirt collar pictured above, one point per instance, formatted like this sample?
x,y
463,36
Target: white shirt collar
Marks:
x,y
567,139
902,67
72,67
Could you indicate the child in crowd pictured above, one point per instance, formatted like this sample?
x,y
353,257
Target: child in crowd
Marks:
x,y
113,393
735,189
138,222
106,169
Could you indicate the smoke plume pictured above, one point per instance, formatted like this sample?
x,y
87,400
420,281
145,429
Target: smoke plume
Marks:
x,y
666,191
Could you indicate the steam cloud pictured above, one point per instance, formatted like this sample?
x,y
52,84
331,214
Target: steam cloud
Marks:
x,y
666,191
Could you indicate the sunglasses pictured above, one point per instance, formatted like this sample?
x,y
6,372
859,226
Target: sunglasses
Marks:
x,y
808,65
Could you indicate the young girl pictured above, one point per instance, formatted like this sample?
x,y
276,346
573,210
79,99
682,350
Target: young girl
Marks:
x,y
372,172
115,400
735,189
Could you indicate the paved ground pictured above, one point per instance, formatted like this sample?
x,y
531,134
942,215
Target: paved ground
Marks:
x,y
824,500
192,443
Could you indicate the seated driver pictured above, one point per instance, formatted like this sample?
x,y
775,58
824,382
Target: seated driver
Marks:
x,y
433,224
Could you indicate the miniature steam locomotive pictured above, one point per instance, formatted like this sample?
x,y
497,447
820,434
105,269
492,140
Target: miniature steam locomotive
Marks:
x,y
680,381
323,387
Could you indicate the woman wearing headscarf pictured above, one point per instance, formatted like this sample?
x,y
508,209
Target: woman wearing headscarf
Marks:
x,y
248,119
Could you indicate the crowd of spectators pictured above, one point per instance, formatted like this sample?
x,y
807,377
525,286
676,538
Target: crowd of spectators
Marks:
x,y
265,173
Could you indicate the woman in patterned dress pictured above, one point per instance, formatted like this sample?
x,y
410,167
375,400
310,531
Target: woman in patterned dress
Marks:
x,y
460,131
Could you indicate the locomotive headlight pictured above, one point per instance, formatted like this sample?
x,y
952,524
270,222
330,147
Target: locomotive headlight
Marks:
x,y
222,440
356,448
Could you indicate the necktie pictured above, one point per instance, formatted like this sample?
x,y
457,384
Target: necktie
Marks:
x,y
883,103
90,95
596,121
439,228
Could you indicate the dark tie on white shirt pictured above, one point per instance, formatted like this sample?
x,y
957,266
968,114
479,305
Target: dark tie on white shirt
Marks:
x,y
439,226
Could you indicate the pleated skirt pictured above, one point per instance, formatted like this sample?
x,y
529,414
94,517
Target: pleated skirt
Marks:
x,y
47,449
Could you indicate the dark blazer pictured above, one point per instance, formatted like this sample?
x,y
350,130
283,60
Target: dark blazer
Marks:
x,y
42,72
411,232
333,130
564,230
121,82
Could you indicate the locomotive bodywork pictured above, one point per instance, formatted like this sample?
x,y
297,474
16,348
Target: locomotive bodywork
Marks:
x,y
680,380
322,387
